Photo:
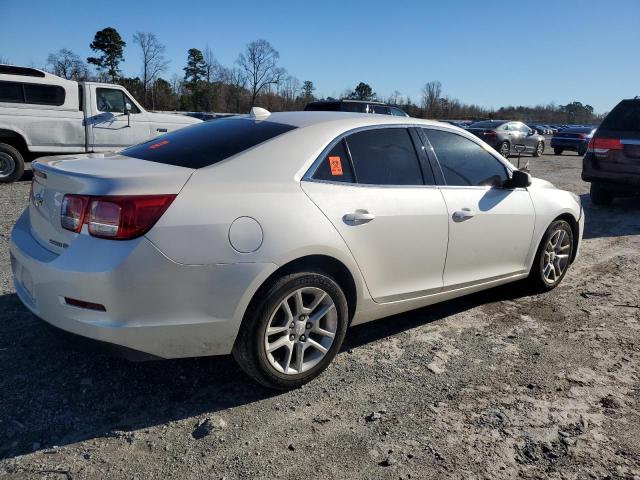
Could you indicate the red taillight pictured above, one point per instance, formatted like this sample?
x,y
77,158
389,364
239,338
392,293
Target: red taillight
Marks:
x,y
115,217
490,133
605,144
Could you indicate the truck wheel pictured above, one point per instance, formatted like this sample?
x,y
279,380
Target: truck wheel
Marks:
x,y
600,195
11,164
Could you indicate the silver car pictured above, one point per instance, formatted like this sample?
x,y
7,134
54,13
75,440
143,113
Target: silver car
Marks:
x,y
267,236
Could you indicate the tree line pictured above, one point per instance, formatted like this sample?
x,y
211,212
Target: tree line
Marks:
x,y
257,78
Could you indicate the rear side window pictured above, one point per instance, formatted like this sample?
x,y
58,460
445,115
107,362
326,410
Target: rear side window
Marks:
x,y
207,143
335,166
385,156
33,93
465,163
625,117
380,109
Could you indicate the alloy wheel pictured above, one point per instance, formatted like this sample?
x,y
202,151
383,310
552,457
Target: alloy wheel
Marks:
x,y
504,149
556,256
540,148
301,330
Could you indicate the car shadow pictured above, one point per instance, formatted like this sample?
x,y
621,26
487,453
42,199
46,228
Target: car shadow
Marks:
x,y
620,218
56,390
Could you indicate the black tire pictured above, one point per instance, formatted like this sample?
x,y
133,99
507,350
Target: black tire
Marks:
x,y
558,151
600,195
505,149
249,350
539,149
537,280
11,164
582,151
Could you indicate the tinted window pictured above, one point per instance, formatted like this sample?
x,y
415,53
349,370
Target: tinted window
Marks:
x,y
323,106
11,92
624,118
335,166
381,109
16,92
352,107
465,163
43,94
385,156
207,143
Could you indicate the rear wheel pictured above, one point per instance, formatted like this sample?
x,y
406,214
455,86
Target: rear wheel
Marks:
x,y
600,195
292,333
582,151
11,164
553,257
539,149
558,151
504,149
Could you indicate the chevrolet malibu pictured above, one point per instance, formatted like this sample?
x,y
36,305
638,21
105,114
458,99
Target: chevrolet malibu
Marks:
x,y
266,236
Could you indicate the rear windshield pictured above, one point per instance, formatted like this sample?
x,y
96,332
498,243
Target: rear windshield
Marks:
x,y
207,143
624,118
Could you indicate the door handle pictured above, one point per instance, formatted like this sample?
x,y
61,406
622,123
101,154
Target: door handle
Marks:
x,y
358,217
464,214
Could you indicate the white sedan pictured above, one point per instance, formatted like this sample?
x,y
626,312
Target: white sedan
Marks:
x,y
267,236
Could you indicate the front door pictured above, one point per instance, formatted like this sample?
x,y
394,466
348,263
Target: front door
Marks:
x,y
490,227
390,215
111,128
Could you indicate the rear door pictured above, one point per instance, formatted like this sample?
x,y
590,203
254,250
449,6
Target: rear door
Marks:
x,y
490,227
616,143
379,193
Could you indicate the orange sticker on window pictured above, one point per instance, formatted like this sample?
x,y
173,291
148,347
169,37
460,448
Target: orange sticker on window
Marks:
x,y
336,166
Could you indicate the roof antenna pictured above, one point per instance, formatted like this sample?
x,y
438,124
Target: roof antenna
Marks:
x,y
259,113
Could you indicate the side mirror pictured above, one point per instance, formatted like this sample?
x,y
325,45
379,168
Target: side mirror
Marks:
x,y
519,179
127,112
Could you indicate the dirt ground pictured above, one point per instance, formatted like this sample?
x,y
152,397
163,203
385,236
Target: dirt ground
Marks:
x,y
498,385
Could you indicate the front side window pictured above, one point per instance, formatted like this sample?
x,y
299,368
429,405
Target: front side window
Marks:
x,y
385,156
113,100
464,162
335,165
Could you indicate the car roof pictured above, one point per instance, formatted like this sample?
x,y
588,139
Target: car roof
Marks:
x,y
344,120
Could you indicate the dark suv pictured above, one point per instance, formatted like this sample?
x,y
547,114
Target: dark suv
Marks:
x,y
359,106
612,162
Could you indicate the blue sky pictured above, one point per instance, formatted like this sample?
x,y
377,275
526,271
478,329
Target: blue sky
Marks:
x,y
492,53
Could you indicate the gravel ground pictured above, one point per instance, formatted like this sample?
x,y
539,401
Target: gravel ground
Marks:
x,y
497,385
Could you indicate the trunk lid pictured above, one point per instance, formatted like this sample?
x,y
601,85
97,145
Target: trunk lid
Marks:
x,y
92,174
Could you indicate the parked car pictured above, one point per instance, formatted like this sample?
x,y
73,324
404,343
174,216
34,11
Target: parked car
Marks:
x,y
575,139
612,161
507,137
360,106
43,114
184,245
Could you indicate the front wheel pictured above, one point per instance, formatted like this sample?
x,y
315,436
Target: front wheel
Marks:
x,y
539,149
293,332
553,257
558,151
11,164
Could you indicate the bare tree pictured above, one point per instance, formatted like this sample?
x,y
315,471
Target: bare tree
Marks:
x,y
213,68
153,61
395,98
4,60
259,63
67,64
431,93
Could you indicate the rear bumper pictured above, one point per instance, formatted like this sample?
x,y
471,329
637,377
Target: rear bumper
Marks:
x,y
623,180
153,305
568,144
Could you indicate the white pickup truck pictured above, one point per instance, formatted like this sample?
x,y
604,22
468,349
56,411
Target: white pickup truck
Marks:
x,y
42,114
